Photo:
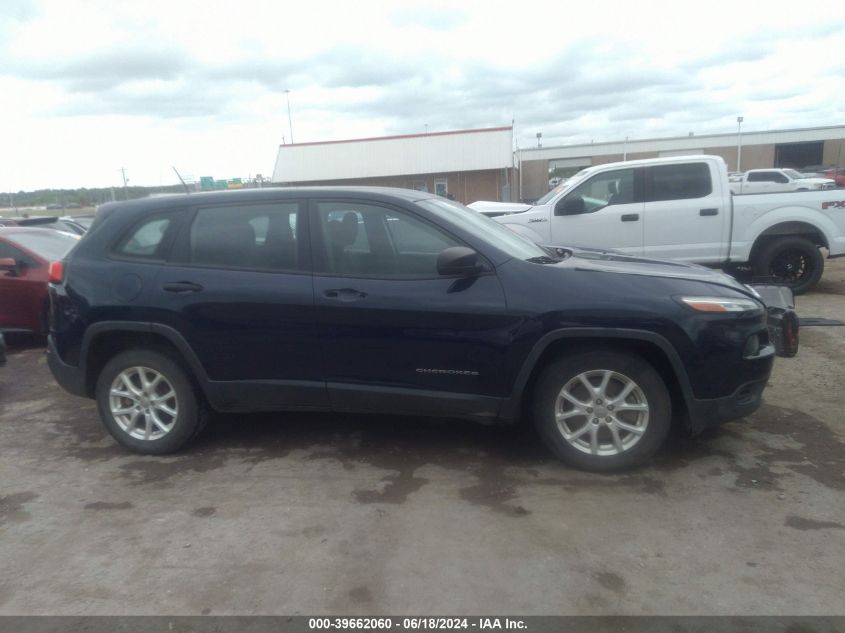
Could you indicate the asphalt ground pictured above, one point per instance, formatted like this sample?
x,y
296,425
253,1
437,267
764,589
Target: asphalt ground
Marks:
x,y
329,514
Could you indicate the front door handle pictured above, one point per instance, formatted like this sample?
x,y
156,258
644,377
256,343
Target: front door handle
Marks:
x,y
630,217
181,286
709,212
344,294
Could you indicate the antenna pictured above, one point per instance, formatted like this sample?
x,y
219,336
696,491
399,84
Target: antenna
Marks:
x,y
178,175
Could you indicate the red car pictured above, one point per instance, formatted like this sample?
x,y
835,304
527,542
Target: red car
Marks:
x,y
835,174
25,256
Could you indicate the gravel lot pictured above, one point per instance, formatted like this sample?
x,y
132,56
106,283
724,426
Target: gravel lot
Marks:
x,y
306,514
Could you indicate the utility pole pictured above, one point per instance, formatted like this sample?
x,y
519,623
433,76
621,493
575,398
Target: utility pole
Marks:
x,y
125,188
739,120
290,120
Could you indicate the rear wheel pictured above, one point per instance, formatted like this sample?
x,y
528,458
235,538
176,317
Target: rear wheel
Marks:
x,y
146,401
602,410
793,261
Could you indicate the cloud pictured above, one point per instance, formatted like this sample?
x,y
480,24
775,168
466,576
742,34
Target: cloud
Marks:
x,y
435,19
107,70
18,10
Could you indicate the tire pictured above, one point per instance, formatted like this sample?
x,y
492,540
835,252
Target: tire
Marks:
x,y
170,423
793,261
649,395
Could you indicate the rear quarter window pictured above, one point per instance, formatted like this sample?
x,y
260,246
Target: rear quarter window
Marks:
x,y
150,238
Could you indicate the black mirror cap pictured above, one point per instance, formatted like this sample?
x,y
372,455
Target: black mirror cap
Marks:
x,y
571,205
458,260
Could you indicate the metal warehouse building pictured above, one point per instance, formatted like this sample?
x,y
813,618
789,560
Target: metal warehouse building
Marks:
x,y
797,148
468,165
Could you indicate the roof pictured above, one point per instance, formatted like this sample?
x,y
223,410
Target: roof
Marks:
x,y
398,136
683,143
403,155
266,193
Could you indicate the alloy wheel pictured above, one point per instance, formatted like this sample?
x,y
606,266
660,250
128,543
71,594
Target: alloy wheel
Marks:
x,y
143,403
602,412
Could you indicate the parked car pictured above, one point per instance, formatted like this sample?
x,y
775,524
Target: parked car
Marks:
x,y
46,222
392,301
837,174
778,180
83,221
25,256
681,208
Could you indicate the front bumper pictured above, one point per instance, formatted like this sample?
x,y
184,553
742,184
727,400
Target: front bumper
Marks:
x,y
70,377
705,414
782,319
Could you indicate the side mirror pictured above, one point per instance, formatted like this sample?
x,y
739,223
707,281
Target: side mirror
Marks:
x,y
458,260
571,205
9,265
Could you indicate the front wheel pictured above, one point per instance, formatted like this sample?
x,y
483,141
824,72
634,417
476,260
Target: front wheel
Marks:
x,y
146,401
602,410
793,261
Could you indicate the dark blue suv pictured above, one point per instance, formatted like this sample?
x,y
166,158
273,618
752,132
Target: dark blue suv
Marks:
x,y
392,301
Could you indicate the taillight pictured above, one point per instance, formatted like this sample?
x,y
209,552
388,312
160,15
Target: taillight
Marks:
x,y
57,272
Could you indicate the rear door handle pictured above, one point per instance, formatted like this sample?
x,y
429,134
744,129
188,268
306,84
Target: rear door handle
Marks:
x,y
709,212
344,294
630,217
181,286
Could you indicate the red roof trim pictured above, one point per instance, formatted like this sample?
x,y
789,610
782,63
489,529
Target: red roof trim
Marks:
x,y
390,138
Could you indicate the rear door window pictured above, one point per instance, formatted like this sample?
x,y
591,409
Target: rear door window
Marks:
x,y
684,181
253,237
762,176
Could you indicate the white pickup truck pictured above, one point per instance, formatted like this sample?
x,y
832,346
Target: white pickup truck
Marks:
x,y
682,208
777,180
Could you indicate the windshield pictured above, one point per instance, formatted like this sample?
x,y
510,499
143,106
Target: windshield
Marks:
x,y
46,243
566,184
793,174
474,222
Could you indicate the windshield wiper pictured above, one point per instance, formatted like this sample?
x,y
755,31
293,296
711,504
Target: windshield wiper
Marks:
x,y
543,259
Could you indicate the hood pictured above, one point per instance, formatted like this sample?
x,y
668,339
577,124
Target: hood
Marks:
x,y
610,262
499,208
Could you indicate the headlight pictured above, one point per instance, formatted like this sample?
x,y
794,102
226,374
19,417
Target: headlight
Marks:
x,y
721,304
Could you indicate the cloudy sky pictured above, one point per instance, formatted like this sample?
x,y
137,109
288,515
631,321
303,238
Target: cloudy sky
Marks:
x,y
89,87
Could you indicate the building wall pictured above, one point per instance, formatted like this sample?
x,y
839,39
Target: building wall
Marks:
x,y
465,186
834,152
535,178
437,152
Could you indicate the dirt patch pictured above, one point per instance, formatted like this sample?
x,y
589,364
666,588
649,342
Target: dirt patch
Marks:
x,y
12,507
801,523
205,512
611,581
360,595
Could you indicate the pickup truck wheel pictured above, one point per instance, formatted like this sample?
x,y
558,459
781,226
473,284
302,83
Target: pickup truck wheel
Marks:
x,y
793,261
147,403
602,410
